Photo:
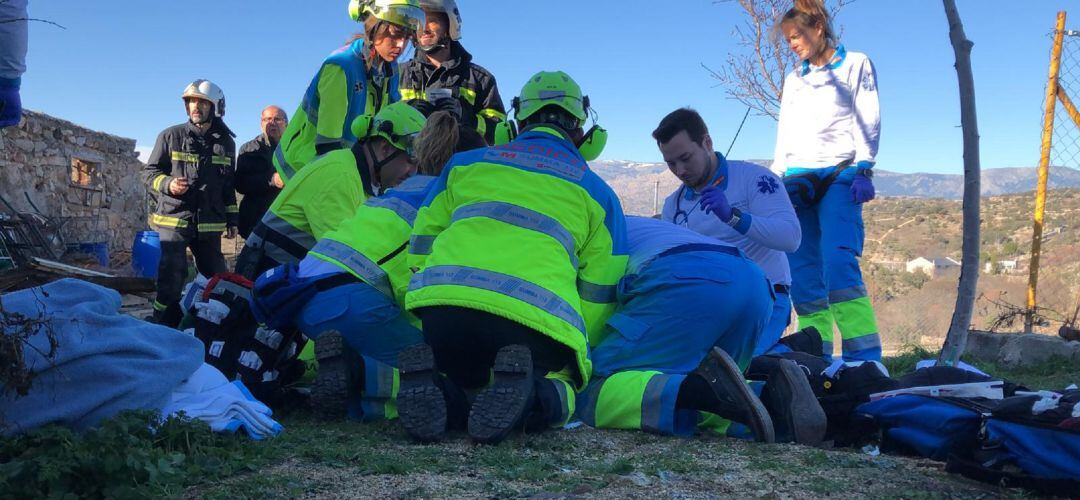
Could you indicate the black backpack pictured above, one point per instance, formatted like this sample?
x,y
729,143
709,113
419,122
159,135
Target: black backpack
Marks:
x,y
265,360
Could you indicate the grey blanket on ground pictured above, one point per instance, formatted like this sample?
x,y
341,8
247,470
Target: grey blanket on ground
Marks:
x,y
106,362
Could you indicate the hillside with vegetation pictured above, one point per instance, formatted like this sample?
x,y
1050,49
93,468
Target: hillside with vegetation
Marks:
x,y
915,307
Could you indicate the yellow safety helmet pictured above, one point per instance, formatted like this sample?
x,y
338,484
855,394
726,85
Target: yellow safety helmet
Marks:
x,y
404,13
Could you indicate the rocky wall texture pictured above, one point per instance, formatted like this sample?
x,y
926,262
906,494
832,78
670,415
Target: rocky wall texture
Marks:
x,y
89,180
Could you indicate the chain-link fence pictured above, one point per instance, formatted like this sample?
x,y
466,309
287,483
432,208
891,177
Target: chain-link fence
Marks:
x,y
1056,292
912,251
1058,286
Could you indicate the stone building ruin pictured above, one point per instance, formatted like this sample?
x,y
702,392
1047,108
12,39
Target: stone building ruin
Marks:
x,y
88,181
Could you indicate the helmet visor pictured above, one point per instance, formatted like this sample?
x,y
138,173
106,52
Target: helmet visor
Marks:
x,y
405,143
571,103
407,16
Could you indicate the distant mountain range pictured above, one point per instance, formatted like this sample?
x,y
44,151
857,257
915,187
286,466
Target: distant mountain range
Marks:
x,y
637,183
995,181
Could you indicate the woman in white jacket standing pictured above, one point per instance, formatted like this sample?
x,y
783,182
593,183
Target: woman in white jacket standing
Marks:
x,y
826,142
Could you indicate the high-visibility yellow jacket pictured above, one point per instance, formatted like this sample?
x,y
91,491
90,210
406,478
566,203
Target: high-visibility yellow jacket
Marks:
x,y
371,245
527,232
314,203
342,90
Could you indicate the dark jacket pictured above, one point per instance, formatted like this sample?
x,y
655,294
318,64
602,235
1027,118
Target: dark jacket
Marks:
x,y
254,169
481,105
208,161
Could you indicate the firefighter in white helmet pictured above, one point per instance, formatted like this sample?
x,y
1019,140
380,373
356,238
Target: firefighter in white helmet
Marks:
x,y
190,174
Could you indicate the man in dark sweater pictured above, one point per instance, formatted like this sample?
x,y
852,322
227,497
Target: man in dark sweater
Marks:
x,y
256,178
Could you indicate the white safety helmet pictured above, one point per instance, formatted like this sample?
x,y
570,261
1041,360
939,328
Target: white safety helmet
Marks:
x,y
448,7
206,90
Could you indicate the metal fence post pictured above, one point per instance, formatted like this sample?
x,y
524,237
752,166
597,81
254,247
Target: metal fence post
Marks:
x,y
1044,171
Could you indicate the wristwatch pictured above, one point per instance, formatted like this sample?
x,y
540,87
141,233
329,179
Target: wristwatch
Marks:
x,y
866,172
736,215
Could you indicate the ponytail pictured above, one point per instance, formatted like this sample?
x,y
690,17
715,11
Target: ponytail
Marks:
x,y
436,143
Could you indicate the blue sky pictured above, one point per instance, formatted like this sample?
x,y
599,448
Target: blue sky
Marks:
x,y
121,65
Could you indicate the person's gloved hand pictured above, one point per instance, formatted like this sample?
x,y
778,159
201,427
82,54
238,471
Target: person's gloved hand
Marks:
x,y
423,106
450,105
862,189
714,201
10,106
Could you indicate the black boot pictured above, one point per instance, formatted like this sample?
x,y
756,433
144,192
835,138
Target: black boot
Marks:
x,y
170,316
796,413
717,386
421,401
502,406
340,374
807,340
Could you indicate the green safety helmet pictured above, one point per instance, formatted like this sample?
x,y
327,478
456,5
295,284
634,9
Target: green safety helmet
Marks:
x,y
398,123
551,88
404,13
554,88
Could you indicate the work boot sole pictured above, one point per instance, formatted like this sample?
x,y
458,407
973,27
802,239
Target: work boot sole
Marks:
x,y
421,403
499,408
330,390
728,384
796,412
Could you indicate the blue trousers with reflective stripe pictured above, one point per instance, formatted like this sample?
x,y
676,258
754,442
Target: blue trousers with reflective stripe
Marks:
x,y
375,327
671,314
778,323
827,284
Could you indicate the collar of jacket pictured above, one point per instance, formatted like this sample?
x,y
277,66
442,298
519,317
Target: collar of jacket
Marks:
x,y
835,62
217,126
458,57
551,134
720,178
265,142
193,130
377,70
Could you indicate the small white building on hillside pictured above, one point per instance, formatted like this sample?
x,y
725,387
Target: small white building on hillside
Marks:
x,y
931,266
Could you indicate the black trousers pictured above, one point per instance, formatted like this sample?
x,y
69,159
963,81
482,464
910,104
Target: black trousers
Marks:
x,y
173,268
465,342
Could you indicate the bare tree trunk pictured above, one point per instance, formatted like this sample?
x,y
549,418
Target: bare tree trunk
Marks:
x,y
956,340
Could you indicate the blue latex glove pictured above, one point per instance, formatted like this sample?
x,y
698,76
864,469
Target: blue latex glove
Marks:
x,y
10,106
862,189
714,201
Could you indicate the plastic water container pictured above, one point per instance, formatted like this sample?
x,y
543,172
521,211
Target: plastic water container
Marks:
x,y
146,254
99,250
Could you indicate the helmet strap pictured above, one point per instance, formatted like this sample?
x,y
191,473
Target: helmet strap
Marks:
x,y
557,120
443,43
377,167
369,42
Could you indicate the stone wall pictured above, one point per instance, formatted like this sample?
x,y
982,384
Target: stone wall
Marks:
x,y
89,179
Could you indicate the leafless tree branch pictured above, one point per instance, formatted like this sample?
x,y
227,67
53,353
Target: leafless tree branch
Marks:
x,y
32,19
754,76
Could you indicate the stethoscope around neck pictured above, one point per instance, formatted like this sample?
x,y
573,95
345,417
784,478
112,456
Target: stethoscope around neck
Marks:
x,y
682,217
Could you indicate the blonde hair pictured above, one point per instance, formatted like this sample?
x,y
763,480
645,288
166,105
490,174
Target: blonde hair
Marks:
x,y
809,14
436,143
